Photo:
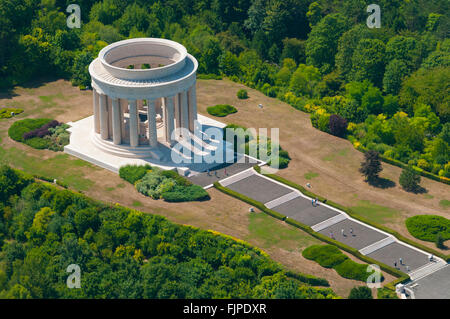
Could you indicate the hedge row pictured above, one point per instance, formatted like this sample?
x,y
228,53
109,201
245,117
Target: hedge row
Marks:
x,y
250,201
50,180
309,279
355,216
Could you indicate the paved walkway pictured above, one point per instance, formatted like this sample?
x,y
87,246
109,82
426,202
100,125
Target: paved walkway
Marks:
x,y
336,224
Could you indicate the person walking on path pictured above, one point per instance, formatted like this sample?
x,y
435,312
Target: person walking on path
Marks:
x,y
351,231
395,264
342,232
316,201
225,171
401,261
312,202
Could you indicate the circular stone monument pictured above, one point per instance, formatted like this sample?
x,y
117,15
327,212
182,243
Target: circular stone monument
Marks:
x,y
143,90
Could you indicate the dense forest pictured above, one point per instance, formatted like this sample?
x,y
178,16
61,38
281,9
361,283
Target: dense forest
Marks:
x,y
124,253
385,89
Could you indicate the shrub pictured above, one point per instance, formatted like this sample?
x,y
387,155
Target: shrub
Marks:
x,y
384,293
439,241
157,183
185,194
330,256
133,173
242,94
209,77
19,128
221,110
360,293
427,227
5,113
338,125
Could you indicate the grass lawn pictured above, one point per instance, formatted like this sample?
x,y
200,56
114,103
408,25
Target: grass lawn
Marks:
x,y
331,157
311,175
137,203
61,167
445,203
271,232
377,213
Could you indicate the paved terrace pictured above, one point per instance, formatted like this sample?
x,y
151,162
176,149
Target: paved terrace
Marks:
x,y
329,221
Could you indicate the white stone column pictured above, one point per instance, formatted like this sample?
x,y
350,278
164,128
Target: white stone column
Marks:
x,y
192,107
169,119
116,125
134,137
95,106
184,110
103,117
151,116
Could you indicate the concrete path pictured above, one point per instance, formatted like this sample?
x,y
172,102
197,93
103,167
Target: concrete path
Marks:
x,y
334,223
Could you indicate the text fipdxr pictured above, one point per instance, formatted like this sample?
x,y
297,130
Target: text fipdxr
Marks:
x,y
231,309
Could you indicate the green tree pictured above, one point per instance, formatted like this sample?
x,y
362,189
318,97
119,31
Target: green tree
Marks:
x,y
346,47
372,100
409,179
322,42
362,292
314,13
304,79
371,166
295,49
368,61
396,71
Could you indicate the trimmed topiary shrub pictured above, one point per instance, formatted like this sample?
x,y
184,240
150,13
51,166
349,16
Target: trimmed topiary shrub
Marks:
x,y
40,133
330,256
427,227
221,110
19,128
242,94
189,193
133,173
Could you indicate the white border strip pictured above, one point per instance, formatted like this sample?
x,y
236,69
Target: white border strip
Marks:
x,y
237,177
281,200
377,245
329,222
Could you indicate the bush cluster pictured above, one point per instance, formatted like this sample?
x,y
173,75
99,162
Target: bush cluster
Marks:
x,y
242,94
329,256
41,131
133,173
427,227
157,183
5,112
221,110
